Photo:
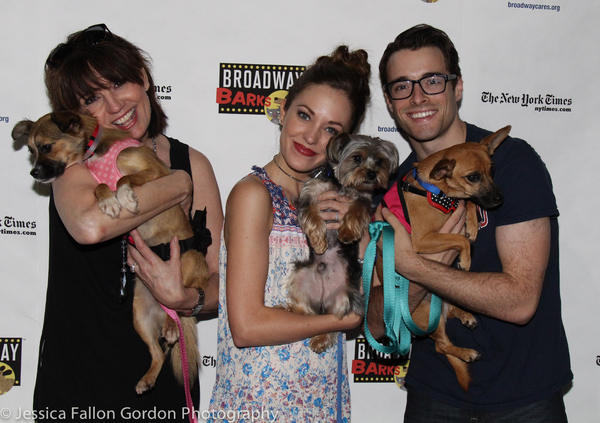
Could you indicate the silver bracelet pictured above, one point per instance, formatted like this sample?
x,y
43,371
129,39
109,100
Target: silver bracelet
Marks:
x,y
199,305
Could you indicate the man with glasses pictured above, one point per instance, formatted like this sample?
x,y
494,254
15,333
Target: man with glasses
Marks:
x,y
513,286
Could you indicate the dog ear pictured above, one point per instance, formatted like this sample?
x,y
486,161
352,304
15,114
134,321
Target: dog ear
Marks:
x,y
336,146
392,153
66,121
492,141
442,169
21,129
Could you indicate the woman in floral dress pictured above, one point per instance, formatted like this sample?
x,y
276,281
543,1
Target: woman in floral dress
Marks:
x,y
266,370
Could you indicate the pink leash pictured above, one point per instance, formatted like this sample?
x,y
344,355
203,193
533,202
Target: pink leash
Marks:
x,y
184,364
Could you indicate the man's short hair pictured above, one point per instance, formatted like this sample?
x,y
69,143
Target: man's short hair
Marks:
x,y
415,38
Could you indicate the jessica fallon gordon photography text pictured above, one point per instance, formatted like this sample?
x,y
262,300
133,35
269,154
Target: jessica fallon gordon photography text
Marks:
x,y
91,413
127,413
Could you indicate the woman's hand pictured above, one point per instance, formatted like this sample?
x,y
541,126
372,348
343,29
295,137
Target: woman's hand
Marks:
x,y
162,278
333,208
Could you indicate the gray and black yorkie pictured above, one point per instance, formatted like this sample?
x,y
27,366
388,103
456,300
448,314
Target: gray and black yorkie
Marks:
x,y
328,282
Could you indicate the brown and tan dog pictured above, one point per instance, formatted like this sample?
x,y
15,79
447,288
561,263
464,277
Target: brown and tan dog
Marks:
x,y
59,140
463,171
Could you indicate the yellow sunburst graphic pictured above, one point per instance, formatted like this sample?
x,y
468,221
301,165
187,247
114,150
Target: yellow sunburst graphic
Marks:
x,y
273,106
399,374
7,378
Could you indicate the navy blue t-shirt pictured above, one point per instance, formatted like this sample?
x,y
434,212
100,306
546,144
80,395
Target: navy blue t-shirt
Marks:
x,y
520,364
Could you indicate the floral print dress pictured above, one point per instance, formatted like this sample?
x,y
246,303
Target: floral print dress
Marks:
x,y
282,383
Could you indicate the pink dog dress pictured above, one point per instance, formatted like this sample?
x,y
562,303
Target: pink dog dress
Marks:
x,y
104,168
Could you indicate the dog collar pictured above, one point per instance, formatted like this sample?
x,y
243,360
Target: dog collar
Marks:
x,y
434,195
427,186
93,143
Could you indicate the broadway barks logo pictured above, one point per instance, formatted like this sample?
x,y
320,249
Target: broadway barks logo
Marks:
x,y
10,363
252,89
371,366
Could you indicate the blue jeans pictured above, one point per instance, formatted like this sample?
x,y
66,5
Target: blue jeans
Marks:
x,y
421,408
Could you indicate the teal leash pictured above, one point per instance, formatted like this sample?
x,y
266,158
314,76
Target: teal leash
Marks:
x,y
399,324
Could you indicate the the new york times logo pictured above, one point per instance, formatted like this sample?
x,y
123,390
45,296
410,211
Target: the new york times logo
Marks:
x,y
11,226
247,88
370,365
548,102
163,92
10,363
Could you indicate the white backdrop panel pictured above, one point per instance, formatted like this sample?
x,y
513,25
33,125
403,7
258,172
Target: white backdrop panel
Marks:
x,y
503,50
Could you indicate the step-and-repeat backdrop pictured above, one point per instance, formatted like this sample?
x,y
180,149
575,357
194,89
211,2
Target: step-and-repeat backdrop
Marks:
x,y
216,66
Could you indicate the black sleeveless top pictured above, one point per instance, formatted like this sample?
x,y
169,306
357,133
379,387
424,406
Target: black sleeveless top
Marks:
x,y
91,357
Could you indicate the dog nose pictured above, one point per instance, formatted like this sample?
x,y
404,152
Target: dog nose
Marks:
x,y
371,175
34,172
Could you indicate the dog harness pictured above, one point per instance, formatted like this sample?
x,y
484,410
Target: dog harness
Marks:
x,y
104,168
435,196
199,242
394,198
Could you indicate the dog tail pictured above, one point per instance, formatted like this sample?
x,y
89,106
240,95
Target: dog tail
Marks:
x,y
191,348
462,371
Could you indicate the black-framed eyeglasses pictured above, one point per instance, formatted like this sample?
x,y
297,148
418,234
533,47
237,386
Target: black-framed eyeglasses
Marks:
x,y
90,36
431,85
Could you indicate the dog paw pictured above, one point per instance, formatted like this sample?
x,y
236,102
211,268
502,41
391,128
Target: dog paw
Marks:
x,y
464,264
128,199
315,229
469,322
471,236
321,343
110,207
170,331
320,246
351,228
318,240
473,356
144,385
347,236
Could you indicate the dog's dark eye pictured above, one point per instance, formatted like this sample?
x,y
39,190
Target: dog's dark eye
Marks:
x,y
45,149
474,177
358,159
379,162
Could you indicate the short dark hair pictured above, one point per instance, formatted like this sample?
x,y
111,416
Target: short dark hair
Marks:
x,y
83,70
415,38
343,70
